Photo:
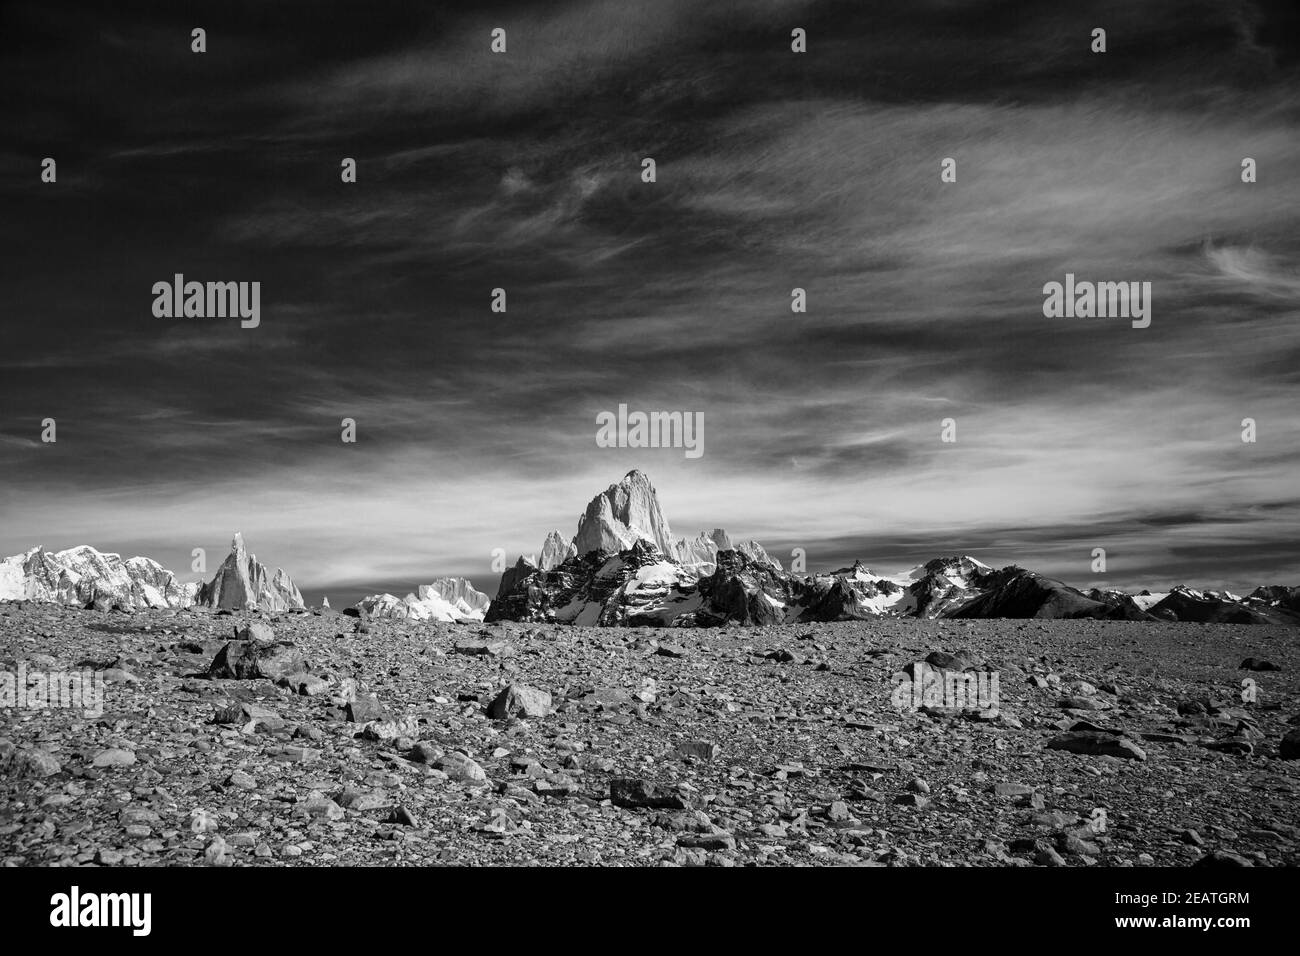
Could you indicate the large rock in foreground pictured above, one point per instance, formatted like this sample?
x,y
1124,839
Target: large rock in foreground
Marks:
x,y
520,700
257,660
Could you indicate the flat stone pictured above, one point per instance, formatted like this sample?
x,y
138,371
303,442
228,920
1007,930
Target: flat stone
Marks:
x,y
139,816
292,754
241,781
707,841
642,794
493,648
671,650
362,800
245,713
1097,744
1238,746
114,757
460,768
1012,789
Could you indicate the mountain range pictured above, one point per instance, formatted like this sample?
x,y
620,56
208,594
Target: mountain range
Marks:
x,y
85,577
446,600
624,566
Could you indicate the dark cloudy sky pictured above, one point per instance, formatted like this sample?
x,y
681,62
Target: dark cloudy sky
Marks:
x,y
775,170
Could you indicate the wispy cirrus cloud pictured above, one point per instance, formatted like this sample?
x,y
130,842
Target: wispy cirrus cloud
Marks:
x,y
476,429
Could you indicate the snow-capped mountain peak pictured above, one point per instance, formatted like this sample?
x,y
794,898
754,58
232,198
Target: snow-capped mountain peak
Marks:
x,y
83,576
446,600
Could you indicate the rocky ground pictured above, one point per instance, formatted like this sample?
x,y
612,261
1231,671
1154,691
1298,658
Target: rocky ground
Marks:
x,y
395,744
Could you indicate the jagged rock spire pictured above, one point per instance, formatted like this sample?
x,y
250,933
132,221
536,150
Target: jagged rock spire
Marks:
x,y
241,583
623,514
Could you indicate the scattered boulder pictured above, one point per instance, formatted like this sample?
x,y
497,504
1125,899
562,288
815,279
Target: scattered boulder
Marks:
x,y
256,660
241,781
941,660
318,807
306,685
385,730
520,700
255,631
462,769
426,753
365,708
114,757
245,713
24,761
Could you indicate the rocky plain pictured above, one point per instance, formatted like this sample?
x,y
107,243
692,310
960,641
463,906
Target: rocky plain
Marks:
x,y
328,739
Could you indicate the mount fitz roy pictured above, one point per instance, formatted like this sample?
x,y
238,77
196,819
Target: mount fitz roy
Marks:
x,y
623,567
628,512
